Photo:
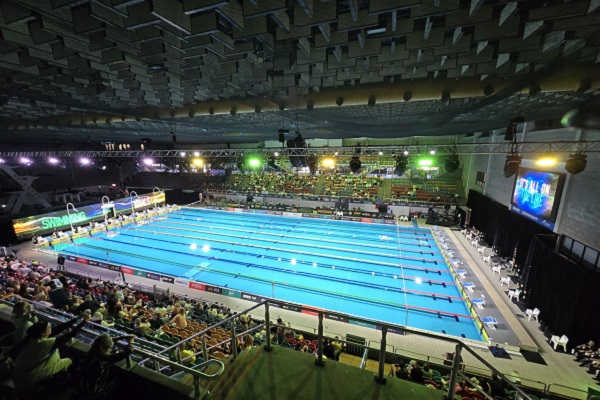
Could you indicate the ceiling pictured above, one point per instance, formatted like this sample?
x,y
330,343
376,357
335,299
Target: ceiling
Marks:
x,y
217,71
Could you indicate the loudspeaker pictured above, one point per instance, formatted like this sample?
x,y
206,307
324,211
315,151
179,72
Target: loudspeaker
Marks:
x,y
60,260
383,209
249,198
281,137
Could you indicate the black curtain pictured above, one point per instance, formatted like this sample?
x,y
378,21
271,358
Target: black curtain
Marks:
x,y
178,196
7,232
566,293
503,229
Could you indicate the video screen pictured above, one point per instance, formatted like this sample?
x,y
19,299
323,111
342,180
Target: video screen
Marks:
x,y
536,195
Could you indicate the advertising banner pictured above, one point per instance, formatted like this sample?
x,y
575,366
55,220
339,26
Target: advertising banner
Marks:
x,y
46,223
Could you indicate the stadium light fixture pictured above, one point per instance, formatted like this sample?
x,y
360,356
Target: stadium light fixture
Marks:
x,y
425,162
85,161
254,162
53,160
328,163
546,161
576,163
197,162
148,161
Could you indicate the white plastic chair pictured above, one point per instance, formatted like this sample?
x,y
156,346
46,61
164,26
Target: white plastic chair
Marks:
x,y
487,259
496,269
504,280
559,341
481,250
514,294
532,313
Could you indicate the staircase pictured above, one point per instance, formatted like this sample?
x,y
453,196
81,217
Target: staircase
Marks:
x,y
235,372
385,191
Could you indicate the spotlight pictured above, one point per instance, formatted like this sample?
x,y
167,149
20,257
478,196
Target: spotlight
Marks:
x,y
546,161
407,96
103,167
85,161
432,152
276,154
372,101
425,162
1,161
452,163
339,101
182,154
380,153
488,90
196,154
355,164
148,161
24,160
197,162
328,163
401,165
53,160
254,162
576,163
512,164
405,152
336,153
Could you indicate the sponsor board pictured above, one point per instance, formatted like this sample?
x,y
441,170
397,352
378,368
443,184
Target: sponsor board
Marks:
x,y
153,276
181,282
197,286
167,279
126,270
291,307
114,267
291,214
82,260
231,293
359,323
71,258
139,273
212,289
336,318
369,220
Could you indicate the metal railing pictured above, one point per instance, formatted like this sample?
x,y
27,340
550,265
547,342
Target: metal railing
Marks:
x,y
91,330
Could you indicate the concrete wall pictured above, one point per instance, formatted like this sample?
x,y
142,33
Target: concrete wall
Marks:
x,y
579,215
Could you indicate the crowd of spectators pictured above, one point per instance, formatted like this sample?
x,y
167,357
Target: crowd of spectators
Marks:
x,y
588,355
284,184
357,187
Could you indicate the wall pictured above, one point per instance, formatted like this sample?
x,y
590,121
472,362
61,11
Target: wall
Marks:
x,y
579,215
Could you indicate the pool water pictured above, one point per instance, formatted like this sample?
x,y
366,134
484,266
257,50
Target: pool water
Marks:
x,y
382,272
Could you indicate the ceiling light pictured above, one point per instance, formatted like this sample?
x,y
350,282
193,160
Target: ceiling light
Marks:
x,y
328,162
452,163
576,163
512,164
355,164
53,160
546,161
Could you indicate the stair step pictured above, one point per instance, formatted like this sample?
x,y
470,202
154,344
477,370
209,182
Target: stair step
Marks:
x,y
231,369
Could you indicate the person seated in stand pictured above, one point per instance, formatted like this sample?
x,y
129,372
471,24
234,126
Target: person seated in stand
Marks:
x,y
590,357
582,349
497,386
179,320
415,372
38,358
427,374
400,372
187,355
23,317
141,327
93,375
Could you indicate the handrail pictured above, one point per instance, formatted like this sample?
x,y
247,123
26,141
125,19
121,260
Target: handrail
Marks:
x,y
153,356
563,386
363,362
